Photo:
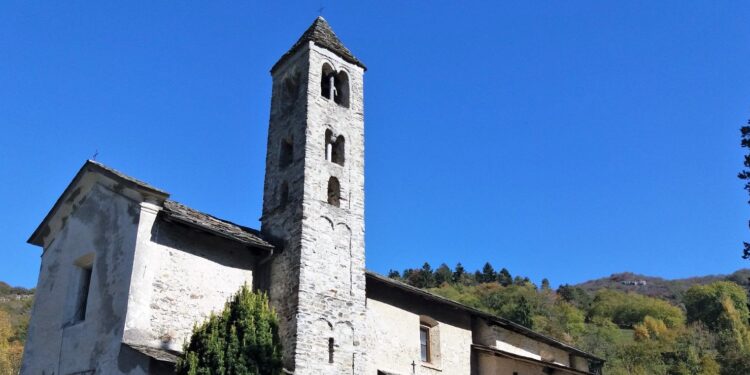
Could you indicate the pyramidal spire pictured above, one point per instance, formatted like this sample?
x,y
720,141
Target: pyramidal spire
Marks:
x,y
321,34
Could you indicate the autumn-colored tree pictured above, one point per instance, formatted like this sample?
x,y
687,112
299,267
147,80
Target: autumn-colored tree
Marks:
x,y
707,304
10,350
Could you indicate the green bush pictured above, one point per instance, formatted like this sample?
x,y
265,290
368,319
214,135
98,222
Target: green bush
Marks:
x,y
628,309
241,340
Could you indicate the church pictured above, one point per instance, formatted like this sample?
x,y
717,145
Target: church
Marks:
x,y
126,272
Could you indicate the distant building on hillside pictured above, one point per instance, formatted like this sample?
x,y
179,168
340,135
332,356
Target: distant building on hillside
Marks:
x,y
634,282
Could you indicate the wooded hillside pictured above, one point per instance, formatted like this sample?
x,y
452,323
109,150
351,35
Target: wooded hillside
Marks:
x,y
15,307
638,324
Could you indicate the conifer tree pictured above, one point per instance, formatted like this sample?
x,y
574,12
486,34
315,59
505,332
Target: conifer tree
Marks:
x,y
545,284
241,340
488,273
443,274
504,277
458,273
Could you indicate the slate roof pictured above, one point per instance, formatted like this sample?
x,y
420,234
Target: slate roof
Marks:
x,y
223,228
171,210
321,34
506,354
93,164
161,355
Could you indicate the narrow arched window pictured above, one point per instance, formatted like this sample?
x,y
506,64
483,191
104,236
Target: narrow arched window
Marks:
x,y
328,142
327,78
284,195
337,152
286,153
334,192
290,90
341,92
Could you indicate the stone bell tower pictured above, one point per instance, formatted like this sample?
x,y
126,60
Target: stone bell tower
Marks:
x,y
313,204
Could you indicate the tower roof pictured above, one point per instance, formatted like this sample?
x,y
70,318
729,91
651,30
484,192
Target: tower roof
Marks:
x,y
320,33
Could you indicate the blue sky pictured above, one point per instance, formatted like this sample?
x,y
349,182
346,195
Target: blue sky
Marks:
x,y
567,140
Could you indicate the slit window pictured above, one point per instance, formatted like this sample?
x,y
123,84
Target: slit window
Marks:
x,y
284,195
334,192
330,350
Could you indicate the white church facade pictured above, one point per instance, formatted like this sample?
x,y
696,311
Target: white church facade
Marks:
x,y
126,272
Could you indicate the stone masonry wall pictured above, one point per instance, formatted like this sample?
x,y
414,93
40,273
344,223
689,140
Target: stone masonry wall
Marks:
x,y
317,283
282,222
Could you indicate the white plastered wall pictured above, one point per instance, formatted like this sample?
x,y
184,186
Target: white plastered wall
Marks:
x,y
180,277
393,343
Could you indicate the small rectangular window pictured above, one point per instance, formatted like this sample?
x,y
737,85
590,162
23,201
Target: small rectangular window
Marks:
x,y
424,343
83,294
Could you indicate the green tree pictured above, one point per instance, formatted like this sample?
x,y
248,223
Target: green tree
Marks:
x,y
424,277
561,320
576,296
694,352
242,340
478,278
504,277
443,274
458,273
545,284
628,309
393,274
488,274
706,304
465,294
518,303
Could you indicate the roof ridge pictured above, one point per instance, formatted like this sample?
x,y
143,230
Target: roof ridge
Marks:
x,y
249,229
321,33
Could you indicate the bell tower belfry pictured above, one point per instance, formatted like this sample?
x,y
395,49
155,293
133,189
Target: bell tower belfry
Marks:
x,y
313,204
